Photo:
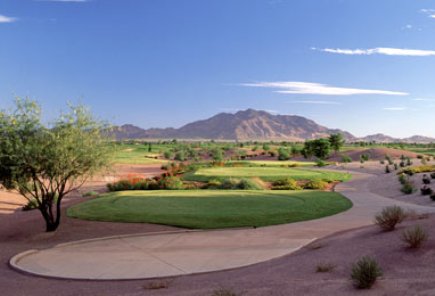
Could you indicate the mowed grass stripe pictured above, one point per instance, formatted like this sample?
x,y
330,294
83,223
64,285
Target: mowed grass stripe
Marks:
x,y
211,209
265,173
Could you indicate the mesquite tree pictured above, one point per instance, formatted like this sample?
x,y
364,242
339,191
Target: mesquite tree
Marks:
x,y
44,163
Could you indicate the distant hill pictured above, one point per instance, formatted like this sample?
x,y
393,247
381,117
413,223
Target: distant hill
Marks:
x,y
242,126
251,124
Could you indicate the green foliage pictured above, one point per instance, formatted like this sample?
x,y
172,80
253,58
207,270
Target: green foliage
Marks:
x,y
319,148
90,194
336,141
171,183
346,159
320,163
283,154
180,156
168,154
425,190
316,185
266,147
365,272
44,163
414,237
408,188
286,184
389,217
419,169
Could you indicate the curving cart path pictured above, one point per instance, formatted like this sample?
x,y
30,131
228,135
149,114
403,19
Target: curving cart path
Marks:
x,y
188,252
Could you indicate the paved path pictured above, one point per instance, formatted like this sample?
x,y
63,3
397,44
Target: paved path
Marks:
x,y
180,253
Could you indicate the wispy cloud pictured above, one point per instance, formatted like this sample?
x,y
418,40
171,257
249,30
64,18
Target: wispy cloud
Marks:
x,y
429,12
7,19
395,108
294,87
380,51
316,102
424,100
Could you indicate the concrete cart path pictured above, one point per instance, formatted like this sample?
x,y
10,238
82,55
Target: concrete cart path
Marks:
x,y
188,252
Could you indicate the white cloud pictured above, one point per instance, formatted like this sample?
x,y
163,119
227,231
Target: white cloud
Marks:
x,y
381,51
7,19
316,102
429,12
294,87
395,108
424,100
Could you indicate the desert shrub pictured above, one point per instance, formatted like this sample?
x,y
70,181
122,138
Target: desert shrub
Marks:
x,y
140,185
420,156
346,159
402,164
365,272
283,154
432,196
387,169
164,167
423,161
382,161
171,183
320,163
214,184
30,205
364,157
432,175
389,217
286,184
180,156
224,292
248,184
120,185
229,183
389,159
325,267
408,188
414,237
408,161
396,167
167,154
403,179
316,185
426,179
153,184
426,190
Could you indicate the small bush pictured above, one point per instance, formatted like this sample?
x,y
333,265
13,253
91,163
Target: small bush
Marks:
x,y
365,272
286,184
403,179
214,184
119,185
325,267
426,190
320,163
432,175
432,196
31,205
229,183
346,159
389,217
414,237
153,184
387,169
90,194
248,184
171,183
408,188
224,292
316,185
426,179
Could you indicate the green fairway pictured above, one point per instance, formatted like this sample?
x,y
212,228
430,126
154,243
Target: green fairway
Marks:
x,y
210,209
276,163
265,173
136,154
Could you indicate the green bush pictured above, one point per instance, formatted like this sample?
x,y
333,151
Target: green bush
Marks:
x,y
120,185
432,175
426,190
346,159
414,237
403,179
320,163
229,184
248,184
214,184
387,169
171,183
408,188
286,184
316,185
90,194
365,272
389,217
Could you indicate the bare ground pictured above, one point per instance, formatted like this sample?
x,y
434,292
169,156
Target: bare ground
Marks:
x,y
405,272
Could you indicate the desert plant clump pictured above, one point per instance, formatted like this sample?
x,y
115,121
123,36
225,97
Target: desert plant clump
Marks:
x,y
432,196
286,184
387,169
316,185
389,217
414,237
320,163
365,272
346,159
90,194
426,179
171,183
224,292
403,178
432,175
325,267
425,190
408,188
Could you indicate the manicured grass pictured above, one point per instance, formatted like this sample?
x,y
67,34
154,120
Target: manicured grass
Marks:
x,y
211,209
277,163
136,154
265,173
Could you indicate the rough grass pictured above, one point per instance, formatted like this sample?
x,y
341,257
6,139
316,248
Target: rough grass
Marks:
x,y
211,209
266,174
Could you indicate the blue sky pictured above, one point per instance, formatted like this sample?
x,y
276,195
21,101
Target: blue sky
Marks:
x,y
365,66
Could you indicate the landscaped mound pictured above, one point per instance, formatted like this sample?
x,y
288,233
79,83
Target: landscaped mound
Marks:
x,y
211,209
375,154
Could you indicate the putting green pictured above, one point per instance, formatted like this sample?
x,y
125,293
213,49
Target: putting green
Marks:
x,y
265,173
211,209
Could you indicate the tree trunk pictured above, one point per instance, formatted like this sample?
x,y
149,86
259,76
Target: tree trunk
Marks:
x,y
52,220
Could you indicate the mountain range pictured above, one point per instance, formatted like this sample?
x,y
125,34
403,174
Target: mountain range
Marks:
x,y
252,124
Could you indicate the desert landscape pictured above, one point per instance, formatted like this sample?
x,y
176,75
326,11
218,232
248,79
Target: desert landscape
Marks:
x,y
217,148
